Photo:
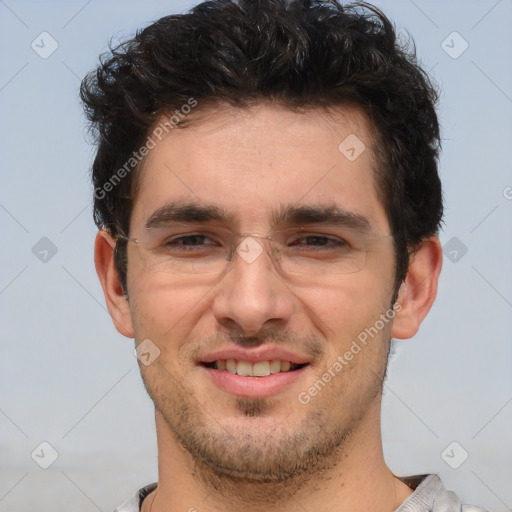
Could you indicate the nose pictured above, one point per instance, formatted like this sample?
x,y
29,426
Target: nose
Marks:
x,y
252,295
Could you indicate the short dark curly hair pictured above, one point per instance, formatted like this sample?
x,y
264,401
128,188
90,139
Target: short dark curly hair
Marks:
x,y
295,53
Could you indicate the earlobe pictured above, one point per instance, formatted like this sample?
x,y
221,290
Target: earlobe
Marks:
x,y
419,290
115,298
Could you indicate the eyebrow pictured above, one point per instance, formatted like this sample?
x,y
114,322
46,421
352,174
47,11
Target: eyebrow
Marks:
x,y
193,212
320,214
189,212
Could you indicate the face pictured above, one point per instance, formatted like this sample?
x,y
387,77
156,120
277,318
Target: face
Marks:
x,y
256,166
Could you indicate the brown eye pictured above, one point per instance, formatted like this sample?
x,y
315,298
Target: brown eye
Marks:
x,y
314,240
184,242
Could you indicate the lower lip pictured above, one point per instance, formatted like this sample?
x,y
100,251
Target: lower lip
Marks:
x,y
254,387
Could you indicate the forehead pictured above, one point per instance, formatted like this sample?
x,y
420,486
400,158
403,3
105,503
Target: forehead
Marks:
x,y
251,161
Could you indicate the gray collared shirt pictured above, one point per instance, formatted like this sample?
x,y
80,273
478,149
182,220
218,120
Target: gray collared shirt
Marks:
x,y
429,496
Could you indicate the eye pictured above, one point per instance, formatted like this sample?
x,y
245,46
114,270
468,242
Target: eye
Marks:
x,y
189,242
320,241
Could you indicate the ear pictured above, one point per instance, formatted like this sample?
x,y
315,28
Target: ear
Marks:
x,y
117,302
419,289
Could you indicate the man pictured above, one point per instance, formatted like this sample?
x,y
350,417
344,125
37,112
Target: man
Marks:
x,y
267,195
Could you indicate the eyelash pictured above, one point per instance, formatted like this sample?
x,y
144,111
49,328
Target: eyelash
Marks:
x,y
181,238
335,242
331,241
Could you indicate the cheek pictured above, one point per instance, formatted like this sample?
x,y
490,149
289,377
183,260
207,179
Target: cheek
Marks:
x,y
163,310
343,307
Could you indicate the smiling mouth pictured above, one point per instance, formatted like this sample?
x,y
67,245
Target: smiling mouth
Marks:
x,y
248,369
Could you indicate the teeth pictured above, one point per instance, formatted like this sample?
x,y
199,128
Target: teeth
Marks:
x,y
244,368
261,369
275,366
247,369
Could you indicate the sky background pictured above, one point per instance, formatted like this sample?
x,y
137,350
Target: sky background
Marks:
x,y
67,377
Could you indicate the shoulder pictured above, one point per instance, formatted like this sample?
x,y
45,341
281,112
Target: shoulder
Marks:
x,y
133,504
430,495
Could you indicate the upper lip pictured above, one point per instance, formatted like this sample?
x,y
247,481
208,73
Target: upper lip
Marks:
x,y
255,355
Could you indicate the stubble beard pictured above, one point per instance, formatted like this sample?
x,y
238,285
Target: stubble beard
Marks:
x,y
236,459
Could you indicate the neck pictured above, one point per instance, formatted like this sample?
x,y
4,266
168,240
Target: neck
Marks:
x,y
355,479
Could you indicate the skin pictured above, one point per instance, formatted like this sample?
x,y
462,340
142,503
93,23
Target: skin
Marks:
x,y
216,451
